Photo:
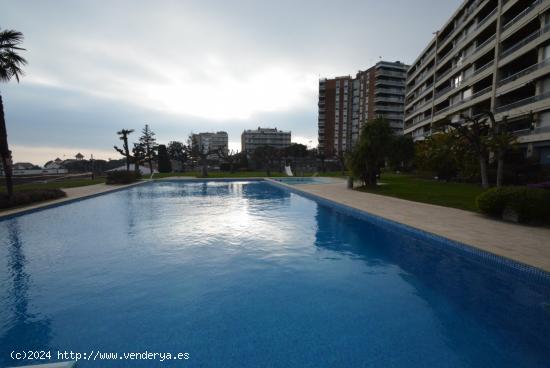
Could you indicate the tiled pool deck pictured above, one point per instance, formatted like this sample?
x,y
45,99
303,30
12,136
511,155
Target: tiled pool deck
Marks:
x,y
528,245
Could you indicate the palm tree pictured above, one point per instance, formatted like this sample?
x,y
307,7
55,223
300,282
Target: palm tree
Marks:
x,y
125,151
10,67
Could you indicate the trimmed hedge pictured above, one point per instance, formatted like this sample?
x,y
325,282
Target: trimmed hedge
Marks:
x,y
122,177
25,197
532,206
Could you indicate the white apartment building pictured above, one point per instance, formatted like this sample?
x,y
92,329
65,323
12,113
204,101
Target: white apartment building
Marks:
x,y
252,139
211,141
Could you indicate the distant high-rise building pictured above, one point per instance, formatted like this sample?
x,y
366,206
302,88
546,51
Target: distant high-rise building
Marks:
x,y
211,141
491,55
346,104
252,139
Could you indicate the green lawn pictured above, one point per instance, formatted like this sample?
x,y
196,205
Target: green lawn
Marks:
x,y
68,183
457,195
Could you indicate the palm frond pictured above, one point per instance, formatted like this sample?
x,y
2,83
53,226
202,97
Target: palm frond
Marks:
x,y
10,37
10,61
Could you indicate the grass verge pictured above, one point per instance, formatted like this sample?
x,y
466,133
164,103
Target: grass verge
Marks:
x,y
456,195
60,184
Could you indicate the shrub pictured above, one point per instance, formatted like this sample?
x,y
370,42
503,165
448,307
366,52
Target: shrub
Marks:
x,y
545,185
531,205
25,197
122,177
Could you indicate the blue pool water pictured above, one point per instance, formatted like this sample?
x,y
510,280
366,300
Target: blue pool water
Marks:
x,y
245,274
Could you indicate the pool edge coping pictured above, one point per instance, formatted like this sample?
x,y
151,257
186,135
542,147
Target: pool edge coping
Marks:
x,y
472,250
63,201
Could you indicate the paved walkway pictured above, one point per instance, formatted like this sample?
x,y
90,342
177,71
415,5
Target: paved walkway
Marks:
x,y
72,193
530,245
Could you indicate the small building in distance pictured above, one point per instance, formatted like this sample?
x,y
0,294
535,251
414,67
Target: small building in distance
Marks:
x,y
25,166
55,164
252,139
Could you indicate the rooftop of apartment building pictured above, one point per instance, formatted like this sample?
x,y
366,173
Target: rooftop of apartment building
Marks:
x,y
398,66
220,132
264,130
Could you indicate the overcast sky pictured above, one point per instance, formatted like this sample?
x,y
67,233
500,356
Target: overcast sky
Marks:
x,y
189,66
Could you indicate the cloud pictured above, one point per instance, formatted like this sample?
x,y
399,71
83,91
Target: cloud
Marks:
x,y
95,67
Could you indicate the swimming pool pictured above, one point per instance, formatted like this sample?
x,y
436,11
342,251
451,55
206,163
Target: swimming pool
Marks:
x,y
246,274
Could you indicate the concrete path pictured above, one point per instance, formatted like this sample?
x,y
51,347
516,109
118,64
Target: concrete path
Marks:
x,y
72,193
530,245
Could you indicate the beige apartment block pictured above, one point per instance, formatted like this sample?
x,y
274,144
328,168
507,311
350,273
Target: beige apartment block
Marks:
x,y
491,55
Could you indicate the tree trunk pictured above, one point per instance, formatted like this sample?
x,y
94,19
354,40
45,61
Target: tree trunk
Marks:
x,y
151,166
5,151
483,171
182,165
127,153
500,170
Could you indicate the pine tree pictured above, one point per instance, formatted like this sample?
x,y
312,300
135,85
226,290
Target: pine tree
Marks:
x,y
149,144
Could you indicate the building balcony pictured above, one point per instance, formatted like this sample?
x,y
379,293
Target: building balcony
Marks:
x,y
525,41
455,107
390,91
522,102
389,99
525,72
425,59
392,116
467,59
415,124
462,42
472,10
390,73
389,108
530,10
390,83
421,94
470,79
533,135
420,107
421,80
